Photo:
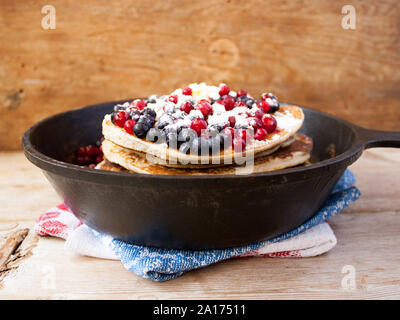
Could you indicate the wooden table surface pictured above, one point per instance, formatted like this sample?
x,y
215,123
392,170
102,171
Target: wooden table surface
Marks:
x,y
368,234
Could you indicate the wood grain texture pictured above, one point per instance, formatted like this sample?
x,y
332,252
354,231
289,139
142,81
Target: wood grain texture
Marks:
x,y
367,233
109,50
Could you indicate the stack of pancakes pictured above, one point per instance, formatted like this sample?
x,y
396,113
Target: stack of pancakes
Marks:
x,y
281,149
124,152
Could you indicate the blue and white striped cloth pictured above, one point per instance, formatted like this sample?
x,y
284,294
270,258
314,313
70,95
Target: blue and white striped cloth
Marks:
x,y
165,264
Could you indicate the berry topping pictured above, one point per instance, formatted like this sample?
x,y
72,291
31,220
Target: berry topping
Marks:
x,y
205,107
260,134
224,90
228,102
241,93
128,126
187,107
198,125
120,118
196,114
264,106
173,98
269,123
187,91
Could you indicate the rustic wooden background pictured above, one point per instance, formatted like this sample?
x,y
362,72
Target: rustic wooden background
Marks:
x,y
105,50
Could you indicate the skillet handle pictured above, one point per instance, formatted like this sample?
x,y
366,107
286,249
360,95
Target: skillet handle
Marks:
x,y
376,138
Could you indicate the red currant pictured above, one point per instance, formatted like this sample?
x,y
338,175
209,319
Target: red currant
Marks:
x,y
173,98
241,93
81,151
255,122
198,125
269,123
232,121
91,150
187,107
128,126
205,107
120,118
228,102
138,104
187,91
260,134
99,159
224,90
264,106
258,113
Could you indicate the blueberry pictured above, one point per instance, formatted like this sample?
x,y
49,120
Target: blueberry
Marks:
x,y
149,111
274,106
140,129
146,119
243,98
250,102
119,107
135,115
112,116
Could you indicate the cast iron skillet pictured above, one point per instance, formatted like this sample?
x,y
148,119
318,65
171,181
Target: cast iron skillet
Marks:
x,y
194,212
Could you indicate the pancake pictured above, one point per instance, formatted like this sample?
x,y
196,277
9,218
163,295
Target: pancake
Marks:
x,y
289,120
109,166
295,154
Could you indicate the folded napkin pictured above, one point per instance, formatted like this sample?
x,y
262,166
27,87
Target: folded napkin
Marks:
x,y
312,238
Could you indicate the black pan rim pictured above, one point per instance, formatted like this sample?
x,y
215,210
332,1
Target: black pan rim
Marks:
x,y
47,163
